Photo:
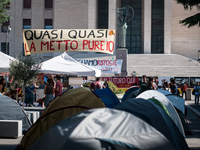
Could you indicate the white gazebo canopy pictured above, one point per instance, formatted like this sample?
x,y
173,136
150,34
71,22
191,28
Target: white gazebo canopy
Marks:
x,y
64,64
5,62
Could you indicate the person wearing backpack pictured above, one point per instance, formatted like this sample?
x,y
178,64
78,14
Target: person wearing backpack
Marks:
x,y
95,85
197,88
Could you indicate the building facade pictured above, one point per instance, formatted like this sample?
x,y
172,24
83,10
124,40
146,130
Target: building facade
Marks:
x,y
154,29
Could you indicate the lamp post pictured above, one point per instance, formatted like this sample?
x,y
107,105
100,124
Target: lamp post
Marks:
x,y
8,30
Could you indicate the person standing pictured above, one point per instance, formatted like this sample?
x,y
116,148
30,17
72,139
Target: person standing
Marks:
x,y
106,84
30,94
184,89
150,85
48,91
95,85
59,85
143,84
197,88
173,86
2,85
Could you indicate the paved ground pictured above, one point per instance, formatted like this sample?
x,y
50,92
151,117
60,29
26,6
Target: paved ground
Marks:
x,y
193,141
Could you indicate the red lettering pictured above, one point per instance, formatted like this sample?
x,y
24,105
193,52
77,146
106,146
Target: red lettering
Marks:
x,y
101,45
66,44
96,45
115,62
59,44
108,46
75,43
26,48
47,43
85,42
32,47
91,48
51,44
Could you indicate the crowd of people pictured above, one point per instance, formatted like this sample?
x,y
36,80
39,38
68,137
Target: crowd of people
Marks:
x,y
171,87
52,89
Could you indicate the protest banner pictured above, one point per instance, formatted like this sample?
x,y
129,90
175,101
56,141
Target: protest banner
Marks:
x,y
45,41
106,66
122,82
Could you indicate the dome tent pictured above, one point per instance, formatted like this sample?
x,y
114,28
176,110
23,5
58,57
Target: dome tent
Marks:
x,y
158,119
10,110
162,98
176,100
70,103
99,129
108,97
132,92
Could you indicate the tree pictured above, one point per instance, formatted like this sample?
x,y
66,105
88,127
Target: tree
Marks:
x,y
24,70
4,13
192,20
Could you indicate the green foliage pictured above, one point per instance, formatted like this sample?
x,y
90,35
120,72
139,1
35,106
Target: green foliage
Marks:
x,y
87,84
114,88
24,70
4,13
192,20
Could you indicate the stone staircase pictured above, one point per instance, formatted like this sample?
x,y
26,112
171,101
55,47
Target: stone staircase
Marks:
x,y
156,64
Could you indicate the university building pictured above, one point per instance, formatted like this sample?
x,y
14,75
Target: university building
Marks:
x,y
154,31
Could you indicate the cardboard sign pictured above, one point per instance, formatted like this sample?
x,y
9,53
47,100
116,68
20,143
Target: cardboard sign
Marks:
x,y
46,41
106,66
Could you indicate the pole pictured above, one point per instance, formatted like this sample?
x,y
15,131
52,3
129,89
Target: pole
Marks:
x,y
6,54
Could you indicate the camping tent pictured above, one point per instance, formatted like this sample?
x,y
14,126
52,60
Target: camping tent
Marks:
x,y
176,100
70,103
132,92
64,64
10,110
5,62
162,98
108,97
156,117
99,129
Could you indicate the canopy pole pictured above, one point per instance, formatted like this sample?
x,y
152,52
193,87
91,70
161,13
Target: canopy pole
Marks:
x,y
6,83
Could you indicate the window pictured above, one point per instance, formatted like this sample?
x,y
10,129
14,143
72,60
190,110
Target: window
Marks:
x,y
4,26
48,4
48,24
27,3
3,48
26,23
133,32
157,27
103,14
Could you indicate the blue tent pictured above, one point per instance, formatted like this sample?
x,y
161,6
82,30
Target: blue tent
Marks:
x,y
131,93
108,97
156,117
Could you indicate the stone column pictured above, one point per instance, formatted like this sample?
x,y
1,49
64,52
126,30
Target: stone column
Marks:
x,y
37,21
112,6
167,27
92,14
146,26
